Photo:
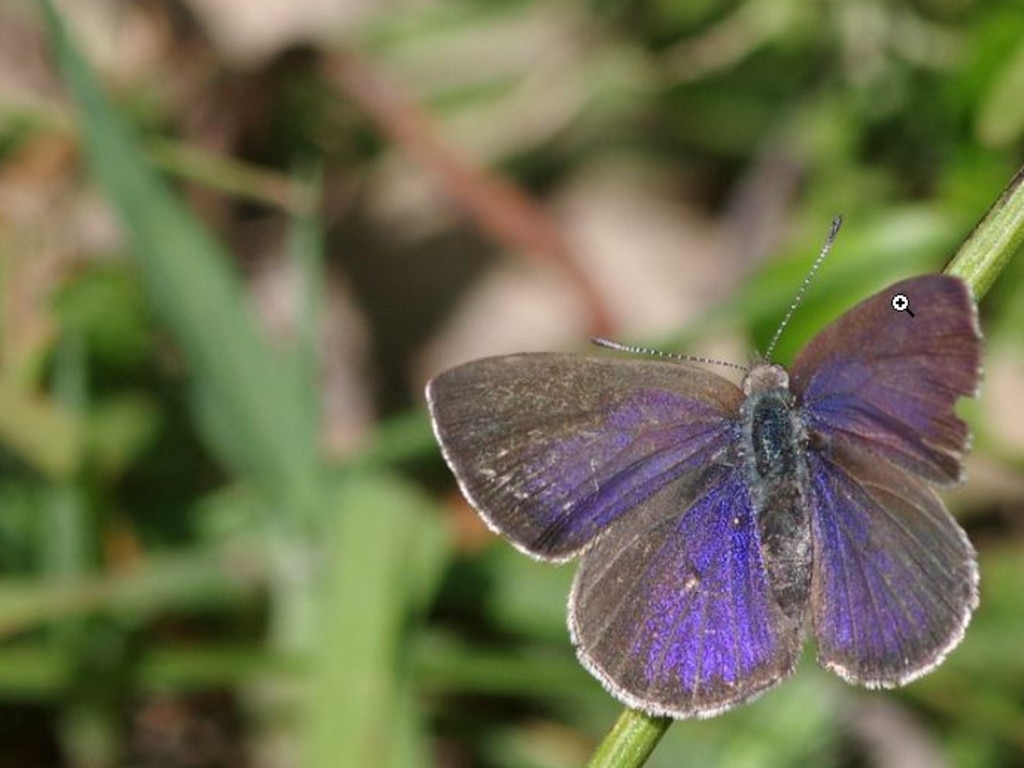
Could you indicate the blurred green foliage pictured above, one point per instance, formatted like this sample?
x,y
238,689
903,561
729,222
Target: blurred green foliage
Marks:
x,y
171,524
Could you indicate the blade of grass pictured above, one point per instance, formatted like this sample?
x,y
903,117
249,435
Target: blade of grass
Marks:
x,y
179,160
87,725
40,431
252,408
68,547
306,249
38,672
186,580
385,554
230,176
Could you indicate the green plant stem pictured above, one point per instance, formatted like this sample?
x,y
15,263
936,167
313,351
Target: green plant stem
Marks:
x,y
997,237
631,740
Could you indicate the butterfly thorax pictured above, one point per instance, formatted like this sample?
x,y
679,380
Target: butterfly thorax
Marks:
x,y
773,449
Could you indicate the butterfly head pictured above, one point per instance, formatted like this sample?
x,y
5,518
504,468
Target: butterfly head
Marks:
x,y
765,377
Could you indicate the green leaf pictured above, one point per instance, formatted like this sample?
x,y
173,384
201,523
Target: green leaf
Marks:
x,y
385,554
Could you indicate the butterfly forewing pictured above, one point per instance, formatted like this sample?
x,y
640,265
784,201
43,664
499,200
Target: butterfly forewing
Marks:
x,y
552,449
889,380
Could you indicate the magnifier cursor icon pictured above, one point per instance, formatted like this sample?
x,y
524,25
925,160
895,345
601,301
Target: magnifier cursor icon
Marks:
x,y
901,304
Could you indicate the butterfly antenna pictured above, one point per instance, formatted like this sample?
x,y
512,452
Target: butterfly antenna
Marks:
x,y
609,344
836,223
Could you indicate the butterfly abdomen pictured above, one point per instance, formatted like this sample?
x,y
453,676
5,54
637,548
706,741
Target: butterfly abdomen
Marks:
x,y
774,446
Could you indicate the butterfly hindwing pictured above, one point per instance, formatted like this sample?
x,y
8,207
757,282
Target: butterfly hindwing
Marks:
x,y
672,610
894,580
552,448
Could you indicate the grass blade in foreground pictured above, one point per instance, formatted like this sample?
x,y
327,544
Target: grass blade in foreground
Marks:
x,y
249,403
386,553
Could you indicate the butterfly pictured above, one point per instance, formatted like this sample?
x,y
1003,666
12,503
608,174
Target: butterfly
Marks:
x,y
718,524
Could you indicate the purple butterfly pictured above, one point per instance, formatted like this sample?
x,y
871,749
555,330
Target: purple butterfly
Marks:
x,y
717,524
